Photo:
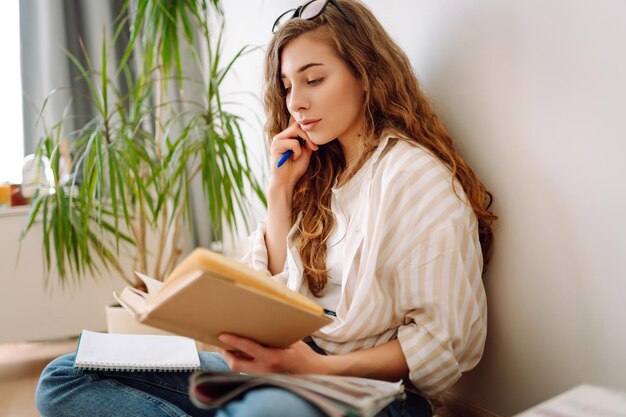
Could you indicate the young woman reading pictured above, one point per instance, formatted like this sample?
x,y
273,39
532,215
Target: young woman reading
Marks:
x,y
375,215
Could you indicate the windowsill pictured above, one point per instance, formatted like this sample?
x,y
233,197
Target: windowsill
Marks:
x,y
17,211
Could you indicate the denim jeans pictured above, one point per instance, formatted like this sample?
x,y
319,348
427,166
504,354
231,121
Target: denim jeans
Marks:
x,y
65,391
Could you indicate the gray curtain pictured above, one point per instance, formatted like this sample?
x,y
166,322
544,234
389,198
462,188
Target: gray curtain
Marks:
x,y
49,28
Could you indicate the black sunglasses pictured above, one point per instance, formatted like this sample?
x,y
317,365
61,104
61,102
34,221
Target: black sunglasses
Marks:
x,y
309,11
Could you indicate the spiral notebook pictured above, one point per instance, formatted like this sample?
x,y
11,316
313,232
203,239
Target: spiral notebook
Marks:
x,y
135,352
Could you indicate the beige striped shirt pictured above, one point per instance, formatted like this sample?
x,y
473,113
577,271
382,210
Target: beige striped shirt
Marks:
x,y
412,269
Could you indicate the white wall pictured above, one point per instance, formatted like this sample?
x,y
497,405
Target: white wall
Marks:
x,y
533,92
249,23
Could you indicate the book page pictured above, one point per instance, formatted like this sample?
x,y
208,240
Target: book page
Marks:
x,y
338,395
133,301
137,302
153,285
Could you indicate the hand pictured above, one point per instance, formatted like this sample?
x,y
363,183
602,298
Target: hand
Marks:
x,y
291,171
298,358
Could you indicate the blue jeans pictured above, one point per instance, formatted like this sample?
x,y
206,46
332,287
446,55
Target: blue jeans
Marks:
x,y
65,391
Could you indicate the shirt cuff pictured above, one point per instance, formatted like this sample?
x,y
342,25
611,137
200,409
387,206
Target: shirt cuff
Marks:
x,y
256,257
432,368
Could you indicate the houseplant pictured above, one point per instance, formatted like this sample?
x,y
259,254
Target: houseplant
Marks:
x,y
134,162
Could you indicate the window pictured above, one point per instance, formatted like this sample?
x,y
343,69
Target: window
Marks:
x,y
11,127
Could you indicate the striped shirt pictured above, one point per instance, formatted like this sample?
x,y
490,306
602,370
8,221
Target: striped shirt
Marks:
x,y
412,269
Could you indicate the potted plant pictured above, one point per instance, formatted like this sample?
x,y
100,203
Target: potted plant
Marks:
x,y
128,189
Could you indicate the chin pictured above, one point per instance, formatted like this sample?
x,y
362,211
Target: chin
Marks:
x,y
321,139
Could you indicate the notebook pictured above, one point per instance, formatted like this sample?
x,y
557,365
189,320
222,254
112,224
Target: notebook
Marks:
x,y
135,352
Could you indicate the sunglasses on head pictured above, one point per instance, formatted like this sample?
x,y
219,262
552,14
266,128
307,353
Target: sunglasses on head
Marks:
x,y
308,11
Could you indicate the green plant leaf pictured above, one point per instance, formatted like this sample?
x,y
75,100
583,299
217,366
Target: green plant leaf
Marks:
x,y
135,159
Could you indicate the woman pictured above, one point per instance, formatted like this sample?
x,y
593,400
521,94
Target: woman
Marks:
x,y
375,216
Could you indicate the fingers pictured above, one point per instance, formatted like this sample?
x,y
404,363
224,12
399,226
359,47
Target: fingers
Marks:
x,y
312,146
238,361
231,356
247,346
286,140
280,146
252,356
236,354
293,131
302,134
235,358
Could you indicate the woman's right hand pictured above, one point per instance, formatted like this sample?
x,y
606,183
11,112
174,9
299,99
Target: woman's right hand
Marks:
x,y
290,172
280,192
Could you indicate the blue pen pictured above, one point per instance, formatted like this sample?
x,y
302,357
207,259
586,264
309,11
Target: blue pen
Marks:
x,y
287,154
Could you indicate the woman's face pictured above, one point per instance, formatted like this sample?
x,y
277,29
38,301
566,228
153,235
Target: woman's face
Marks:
x,y
321,89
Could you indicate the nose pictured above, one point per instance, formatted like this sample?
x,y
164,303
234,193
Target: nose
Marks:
x,y
297,100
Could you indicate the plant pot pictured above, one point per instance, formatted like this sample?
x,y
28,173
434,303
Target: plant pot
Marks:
x,y
119,321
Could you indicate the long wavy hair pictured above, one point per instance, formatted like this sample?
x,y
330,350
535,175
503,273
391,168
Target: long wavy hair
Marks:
x,y
393,101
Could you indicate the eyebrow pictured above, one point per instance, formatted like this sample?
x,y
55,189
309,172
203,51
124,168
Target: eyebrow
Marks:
x,y
303,68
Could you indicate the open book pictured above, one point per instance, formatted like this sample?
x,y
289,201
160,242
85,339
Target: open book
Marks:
x,y
208,294
335,395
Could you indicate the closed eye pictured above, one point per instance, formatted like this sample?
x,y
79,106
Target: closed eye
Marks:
x,y
315,82
287,90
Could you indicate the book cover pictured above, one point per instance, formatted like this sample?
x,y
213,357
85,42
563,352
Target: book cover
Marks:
x,y
209,294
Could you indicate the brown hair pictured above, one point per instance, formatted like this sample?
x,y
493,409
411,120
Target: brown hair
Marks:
x,y
393,101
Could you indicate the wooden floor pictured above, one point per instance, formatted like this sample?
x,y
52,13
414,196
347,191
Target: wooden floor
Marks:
x,y
20,367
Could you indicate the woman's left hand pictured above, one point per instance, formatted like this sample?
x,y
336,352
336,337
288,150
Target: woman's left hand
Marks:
x,y
298,358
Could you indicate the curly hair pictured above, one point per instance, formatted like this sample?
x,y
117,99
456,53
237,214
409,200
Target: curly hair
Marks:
x,y
393,101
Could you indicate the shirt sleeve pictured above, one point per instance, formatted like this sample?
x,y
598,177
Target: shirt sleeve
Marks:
x,y
445,323
256,256
427,241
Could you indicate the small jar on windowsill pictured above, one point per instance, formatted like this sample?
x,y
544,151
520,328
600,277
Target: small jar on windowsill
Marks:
x,y
17,199
5,195
12,202
11,195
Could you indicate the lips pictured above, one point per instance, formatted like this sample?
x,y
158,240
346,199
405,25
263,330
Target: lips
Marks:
x,y
308,124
